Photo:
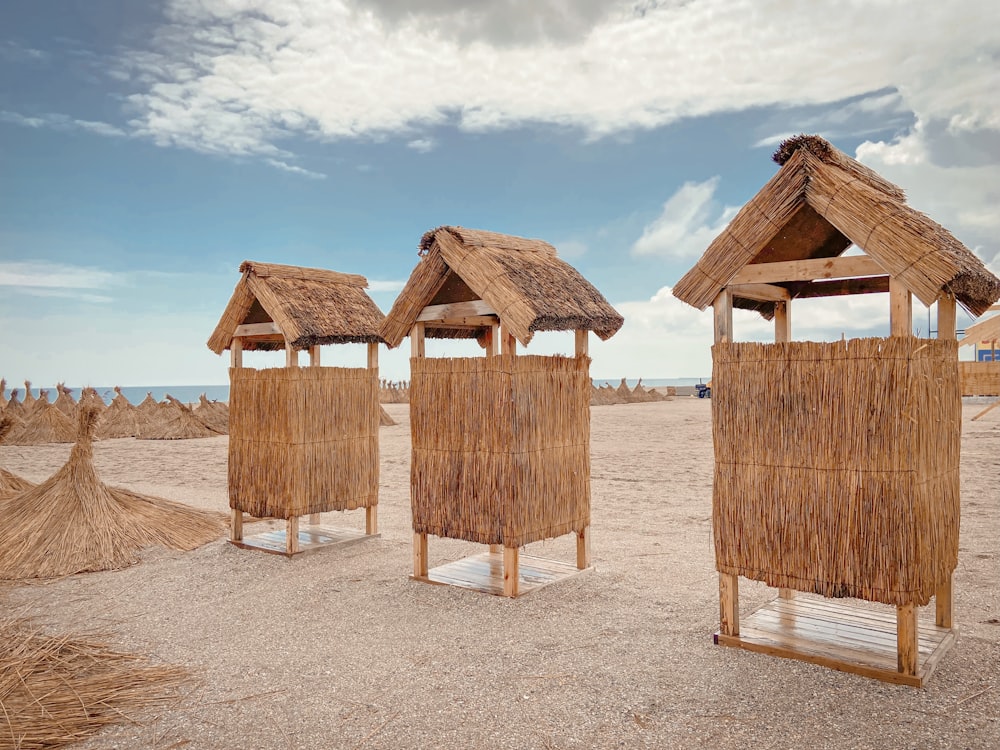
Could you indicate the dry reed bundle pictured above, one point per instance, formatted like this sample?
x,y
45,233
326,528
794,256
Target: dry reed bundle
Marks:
x,y
14,406
836,465
93,399
384,419
3,393
149,407
980,378
73,522
57,690
213,413
120,419
175,421
65,401
29,399
10,483
46,424
501,447
303,440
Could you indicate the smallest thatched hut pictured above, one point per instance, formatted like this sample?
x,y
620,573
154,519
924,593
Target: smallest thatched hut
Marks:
x,y
302,441
501,443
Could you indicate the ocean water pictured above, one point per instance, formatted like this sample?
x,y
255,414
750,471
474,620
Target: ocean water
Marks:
x,y
189,394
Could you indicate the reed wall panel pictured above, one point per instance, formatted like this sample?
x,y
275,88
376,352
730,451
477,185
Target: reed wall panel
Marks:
x,y
837,465
980,378
501,447
303,440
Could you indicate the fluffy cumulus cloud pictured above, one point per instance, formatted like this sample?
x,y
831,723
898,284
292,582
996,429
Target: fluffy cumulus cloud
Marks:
x,y
690,220
236,76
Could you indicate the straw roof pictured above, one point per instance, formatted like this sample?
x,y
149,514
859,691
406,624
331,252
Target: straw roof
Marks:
x,y
984,332
45,424
120,420
213,413
819,203
65,402
73,522
10,483
56,690
384,418
175,421
310,305
14,406
3,393
29,398
522,281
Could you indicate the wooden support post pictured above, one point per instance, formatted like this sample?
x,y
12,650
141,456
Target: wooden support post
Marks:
x,y
419,555
495,548
906,639
508,344
583,548
371,519
314,355
511,575
236,525
582,343
292,535
493,341
236,352
786,593
729,604
900,309
723,307
942,604
417,340
291,356
782,322
372,355
947,317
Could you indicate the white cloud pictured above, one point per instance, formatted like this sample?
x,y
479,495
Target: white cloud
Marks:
x,y
285,167
422,145
57,121
571,249
690,220
43,275
385,286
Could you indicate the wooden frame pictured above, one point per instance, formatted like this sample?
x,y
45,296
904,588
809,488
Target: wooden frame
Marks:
x,y
503,570
799,627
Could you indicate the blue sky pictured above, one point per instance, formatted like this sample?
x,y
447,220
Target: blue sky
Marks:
x,y
146,149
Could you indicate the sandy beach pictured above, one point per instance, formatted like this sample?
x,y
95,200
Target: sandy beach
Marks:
x,y
338,648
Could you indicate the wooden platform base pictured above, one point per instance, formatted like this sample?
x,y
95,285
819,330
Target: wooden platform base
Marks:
x,y
839,636
311,538
484,572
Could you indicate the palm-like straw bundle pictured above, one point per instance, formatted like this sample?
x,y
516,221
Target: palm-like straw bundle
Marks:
x,y
65,402
175,421
214,414
837,465
501,447
10,483
56,690
120,420
73,522
14,406
29,399
45,424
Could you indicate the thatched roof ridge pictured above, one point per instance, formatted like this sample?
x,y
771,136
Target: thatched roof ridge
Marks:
x,y
311,306
523,280
984,332
842,202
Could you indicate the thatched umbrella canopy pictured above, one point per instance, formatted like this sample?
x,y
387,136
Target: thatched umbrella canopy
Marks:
x,y
29,399
10,483
176,421
65,402
73,522
45,424
149,407
120,420
3,393
520,280
821,202
384,418
305,307
215,414
14,406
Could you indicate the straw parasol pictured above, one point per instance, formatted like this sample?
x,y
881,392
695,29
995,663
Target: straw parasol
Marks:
x,y
29,399
818,204
59,689
175,421
149,407
45,424
10,483
120,420
3,393
73,522
65,402
215,414
384,419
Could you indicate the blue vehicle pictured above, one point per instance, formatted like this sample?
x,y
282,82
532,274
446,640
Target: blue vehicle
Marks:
x,y
704,390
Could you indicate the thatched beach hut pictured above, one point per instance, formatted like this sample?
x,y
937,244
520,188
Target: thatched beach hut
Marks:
x,y
837,465
501,443
302,441
73,522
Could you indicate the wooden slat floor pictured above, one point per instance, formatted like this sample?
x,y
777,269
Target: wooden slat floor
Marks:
x,y
484,572
839,636
311,538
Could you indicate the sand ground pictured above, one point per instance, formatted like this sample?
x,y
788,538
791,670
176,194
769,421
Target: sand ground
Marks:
x,y
339,649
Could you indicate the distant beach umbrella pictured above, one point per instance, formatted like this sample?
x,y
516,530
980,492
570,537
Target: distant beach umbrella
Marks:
x,y
65,402
120,420
10,483
45,424
215,414
175,421
29,398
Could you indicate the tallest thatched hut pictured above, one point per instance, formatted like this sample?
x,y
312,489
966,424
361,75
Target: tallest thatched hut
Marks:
x,y
837,464
302,441
501,443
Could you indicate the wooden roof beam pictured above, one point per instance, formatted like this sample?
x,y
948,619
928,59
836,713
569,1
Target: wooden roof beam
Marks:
x,y
841,287
761,292
257,329
808,270
453,310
